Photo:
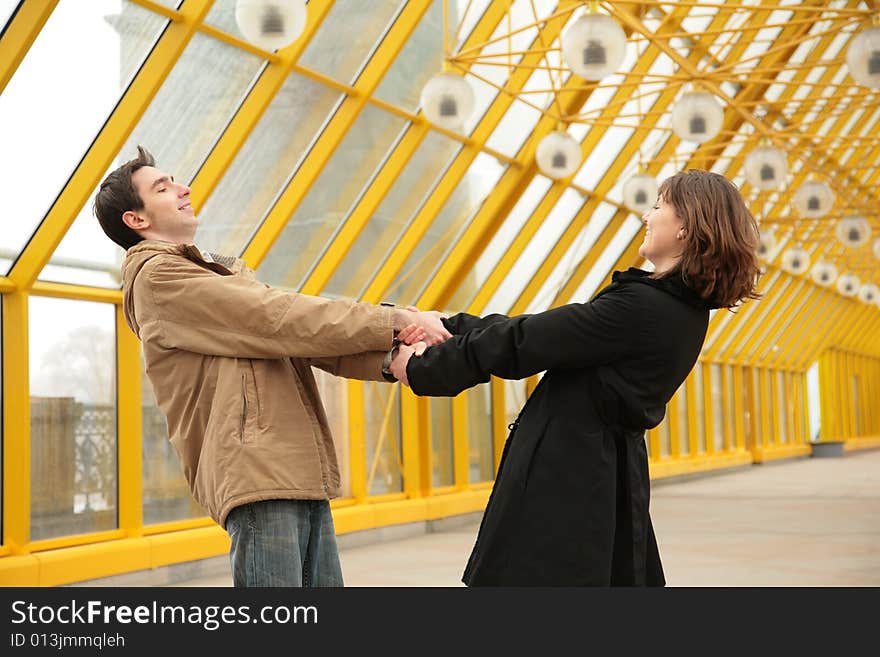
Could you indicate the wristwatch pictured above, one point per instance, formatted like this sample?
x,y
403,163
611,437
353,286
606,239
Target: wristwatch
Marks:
x,y
386,364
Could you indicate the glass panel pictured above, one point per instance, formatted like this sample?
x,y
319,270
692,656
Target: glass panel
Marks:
x,y
770,388
166,494
412,187
179,128
701,437
782,407
813,401
383,435
420,58
665,435
681,402
731,404
756,430
575,253
321,213
481,457
441,442
534,255
265,164
358,25
7,7
422,54
56,71
443,233
610,256
73,417
222,16
500,242
514,399
718,419
333,393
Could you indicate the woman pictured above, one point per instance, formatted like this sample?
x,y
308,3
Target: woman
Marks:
x,y
570,501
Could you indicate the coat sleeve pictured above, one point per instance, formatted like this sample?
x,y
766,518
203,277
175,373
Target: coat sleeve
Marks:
x,y
576,335
184,306
463,322
366,366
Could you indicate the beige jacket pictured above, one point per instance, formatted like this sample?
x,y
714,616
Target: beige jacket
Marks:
x,y
230,362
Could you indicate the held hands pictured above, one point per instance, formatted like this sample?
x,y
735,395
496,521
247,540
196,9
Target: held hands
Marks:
x,y
401,360
418,326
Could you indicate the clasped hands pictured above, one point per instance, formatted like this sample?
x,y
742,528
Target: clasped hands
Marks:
x,y
424,329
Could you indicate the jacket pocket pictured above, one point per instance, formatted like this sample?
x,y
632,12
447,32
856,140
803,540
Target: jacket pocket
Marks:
x,y
250,405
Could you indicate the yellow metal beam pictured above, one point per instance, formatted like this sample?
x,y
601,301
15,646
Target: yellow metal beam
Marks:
x,y
357,439
107,144
129,426
460,442
20,33
82,292
16,424
806,316
333,134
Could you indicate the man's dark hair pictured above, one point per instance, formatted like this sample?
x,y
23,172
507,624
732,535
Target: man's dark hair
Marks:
x,y
116,196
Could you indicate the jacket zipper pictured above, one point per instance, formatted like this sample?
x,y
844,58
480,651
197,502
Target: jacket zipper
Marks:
x,y
243,405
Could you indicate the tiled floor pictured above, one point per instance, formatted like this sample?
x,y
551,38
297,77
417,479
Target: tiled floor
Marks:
x,y
804,522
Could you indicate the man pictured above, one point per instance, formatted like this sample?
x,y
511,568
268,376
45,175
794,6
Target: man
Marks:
x,y
230,362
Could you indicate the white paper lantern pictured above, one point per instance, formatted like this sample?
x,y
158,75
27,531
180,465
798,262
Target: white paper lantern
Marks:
x,y
853,232
795,261
876,248
863,58
271,24
766,244
697,116
448,100
813,199
558,154
766,167
869,293
824,273
640,192
848,285
594,46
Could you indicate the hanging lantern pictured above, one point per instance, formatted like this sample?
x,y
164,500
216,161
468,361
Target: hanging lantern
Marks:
x,y
853,231
823,273
640,192
271,24
813,200
766,244
863,58
766,167
869,293
795,261
848,285
876,248
594,46
447,100
558,154
697,116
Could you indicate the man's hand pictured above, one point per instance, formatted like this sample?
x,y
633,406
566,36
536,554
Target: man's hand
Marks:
x,y
401,360
430,321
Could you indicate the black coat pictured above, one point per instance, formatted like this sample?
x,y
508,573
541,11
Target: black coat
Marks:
x,y
570,501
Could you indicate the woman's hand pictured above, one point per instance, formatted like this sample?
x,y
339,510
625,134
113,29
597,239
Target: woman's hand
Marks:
x,y
401,360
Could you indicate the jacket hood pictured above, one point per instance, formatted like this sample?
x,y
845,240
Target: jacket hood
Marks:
x,y
673,285
142,252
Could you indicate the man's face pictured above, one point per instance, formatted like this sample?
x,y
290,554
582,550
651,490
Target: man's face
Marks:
x,y
167,213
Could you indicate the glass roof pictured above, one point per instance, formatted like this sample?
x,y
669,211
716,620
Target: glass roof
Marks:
x,y
318,166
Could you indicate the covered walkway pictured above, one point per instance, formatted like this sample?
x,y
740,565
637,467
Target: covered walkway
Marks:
x,y
801,522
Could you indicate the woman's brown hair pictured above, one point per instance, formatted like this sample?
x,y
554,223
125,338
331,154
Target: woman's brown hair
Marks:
x,y
720,256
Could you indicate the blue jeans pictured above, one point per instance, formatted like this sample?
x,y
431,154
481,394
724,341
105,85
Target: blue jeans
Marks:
x,y
283,543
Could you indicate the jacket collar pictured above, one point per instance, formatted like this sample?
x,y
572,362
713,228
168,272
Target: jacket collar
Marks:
x,y
673,285
222,264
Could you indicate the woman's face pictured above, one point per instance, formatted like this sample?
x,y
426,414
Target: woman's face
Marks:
x,y
664,233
